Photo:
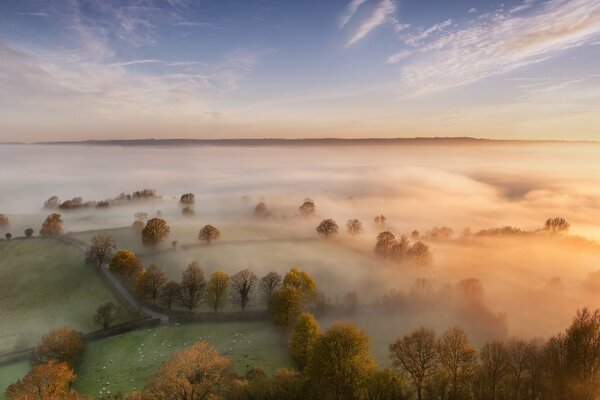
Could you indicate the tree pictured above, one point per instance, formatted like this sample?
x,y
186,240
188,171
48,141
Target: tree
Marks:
x,y
107,314
209,233
8,235
419,253
101,248
268,284
29,232
242,285
188,211
47,381
517,356
60,345
327,227
399,249
216,290
385,240
261,210
188,199
174,244
305,333
415,355
494,366
124,262
195,373
285,305
169,293
4,222
354,227
308,208
303,282
52,225
192,286
380,221
457,358
149,281
156,231
340,363
556,225
385,385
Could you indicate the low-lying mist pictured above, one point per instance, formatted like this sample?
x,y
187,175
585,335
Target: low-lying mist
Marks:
x,y
525,285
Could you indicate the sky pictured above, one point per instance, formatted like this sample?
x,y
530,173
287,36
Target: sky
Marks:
x,y
109,69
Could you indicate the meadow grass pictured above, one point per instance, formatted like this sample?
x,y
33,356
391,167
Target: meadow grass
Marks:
x,y
124,363
45,284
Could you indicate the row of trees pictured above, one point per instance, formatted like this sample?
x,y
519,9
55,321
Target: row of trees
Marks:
x,y
77,202
388,246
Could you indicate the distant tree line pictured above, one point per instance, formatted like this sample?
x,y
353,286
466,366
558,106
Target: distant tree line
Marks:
x,y
77,202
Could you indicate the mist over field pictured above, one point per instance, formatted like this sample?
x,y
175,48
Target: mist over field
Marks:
x,y
530,286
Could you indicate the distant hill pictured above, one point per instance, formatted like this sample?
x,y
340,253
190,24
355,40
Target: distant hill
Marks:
x,y
301,142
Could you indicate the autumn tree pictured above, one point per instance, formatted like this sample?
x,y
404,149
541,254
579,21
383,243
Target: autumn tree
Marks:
x,y
124,262
149,281
354,227
4,222
168,294
268,284
285,305
107,314
457,359
556,225
49,381
385,240
415,355
192,285
243,284
155,231
307,208
399,249
327,227
494,366
195,373
303,282
29,232
385,385
101,249
52,225
208,233
304,334
60,345
340,363
216,290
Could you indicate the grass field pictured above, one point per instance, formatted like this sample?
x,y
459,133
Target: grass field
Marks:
x,y
44,284
124,363
10,373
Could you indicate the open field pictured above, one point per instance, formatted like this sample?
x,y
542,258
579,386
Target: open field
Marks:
x,y
123,363
44,284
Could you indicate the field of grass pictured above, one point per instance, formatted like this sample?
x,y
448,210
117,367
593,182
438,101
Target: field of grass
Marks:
x,y
10,373
124,363
45,284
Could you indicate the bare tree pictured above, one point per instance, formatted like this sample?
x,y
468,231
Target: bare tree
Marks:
x,y
101,249
494,366
169,293
268,284
242,284
107,314
193,285
354,227
457,358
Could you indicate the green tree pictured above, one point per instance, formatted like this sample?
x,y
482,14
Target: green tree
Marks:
x,y
305,333
155,231
208,233
52,225
216,290
415,355
340,363
124,262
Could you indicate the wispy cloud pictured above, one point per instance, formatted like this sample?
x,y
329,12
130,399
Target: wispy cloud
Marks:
x,y
416,38
497,43
350,11
381,14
